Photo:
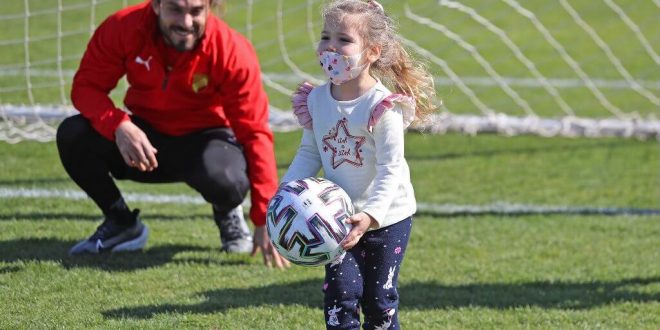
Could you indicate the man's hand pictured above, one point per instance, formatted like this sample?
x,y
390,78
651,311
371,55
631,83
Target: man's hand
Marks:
x,y
135,147
271,257
361,222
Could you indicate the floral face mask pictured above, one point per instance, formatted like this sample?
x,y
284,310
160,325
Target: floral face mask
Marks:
x,y
340,68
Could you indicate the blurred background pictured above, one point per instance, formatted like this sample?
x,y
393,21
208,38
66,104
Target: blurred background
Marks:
x,y
571,68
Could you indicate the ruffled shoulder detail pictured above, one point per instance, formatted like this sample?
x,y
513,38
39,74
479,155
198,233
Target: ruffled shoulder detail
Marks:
x,y
299,101
407,104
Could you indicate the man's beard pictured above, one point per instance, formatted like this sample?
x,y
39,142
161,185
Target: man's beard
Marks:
x,y
181,45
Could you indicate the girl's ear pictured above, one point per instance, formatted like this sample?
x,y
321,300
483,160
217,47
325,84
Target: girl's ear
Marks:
x,y
373,54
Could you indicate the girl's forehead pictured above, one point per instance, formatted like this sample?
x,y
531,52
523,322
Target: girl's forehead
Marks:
x,y
345,23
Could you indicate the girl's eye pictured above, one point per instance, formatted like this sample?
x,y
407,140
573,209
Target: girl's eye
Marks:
x,y
345,40
324,38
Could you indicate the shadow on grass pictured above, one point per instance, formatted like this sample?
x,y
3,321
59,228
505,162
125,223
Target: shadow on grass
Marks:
x,y
543,294
306,293
48,249
419,296
9,269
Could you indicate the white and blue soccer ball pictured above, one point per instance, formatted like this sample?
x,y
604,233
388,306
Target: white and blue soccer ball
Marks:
x,y
306,221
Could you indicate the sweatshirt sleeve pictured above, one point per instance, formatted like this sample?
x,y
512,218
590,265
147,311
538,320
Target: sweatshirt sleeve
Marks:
x,y
307,161
100,69
389,139
246,106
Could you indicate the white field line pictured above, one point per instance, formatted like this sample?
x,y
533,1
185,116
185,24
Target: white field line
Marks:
x,y
565,83
500,208
6,193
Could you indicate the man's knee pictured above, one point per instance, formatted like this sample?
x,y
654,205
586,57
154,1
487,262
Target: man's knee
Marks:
x,y
235,185
224,186
71,130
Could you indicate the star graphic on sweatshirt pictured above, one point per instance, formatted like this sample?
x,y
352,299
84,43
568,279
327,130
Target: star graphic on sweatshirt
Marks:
x,y
344,146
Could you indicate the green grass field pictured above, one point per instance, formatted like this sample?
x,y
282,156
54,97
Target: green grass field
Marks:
x,y
483,269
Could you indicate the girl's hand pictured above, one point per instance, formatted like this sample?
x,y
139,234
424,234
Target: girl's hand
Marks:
x,y
361,222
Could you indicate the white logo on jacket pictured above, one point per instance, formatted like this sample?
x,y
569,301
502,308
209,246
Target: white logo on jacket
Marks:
x,y
139,60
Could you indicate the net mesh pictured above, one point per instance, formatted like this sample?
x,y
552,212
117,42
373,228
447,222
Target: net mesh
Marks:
x,y
566,68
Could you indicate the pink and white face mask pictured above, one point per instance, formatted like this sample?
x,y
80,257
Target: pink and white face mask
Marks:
x,y
340,68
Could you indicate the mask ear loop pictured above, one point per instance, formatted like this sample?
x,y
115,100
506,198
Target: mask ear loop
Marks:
x,y
361,59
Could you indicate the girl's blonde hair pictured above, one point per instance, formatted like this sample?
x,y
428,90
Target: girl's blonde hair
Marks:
x,y
395,67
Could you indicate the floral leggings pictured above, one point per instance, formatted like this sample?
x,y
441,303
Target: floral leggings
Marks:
x,y
366,278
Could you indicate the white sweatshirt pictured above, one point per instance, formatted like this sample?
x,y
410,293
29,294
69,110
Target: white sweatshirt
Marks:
x,y
359,145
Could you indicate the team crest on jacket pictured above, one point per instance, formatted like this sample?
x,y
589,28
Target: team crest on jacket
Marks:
x,y
199,81
344,146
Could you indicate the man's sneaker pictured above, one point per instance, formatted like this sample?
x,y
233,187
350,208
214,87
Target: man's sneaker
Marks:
x,y
113,237
235,235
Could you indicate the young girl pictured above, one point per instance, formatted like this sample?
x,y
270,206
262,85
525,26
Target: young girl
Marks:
x,y
354,129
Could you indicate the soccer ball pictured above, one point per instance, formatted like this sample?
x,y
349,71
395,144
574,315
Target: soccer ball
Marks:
x,y
305,221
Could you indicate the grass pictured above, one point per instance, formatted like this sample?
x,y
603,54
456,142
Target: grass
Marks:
x,y
482,271
472,272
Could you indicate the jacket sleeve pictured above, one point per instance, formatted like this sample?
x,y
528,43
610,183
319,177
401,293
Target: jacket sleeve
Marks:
x,y
246,106
100,69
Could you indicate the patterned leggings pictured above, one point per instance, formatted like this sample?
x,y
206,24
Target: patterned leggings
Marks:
x,y
366,278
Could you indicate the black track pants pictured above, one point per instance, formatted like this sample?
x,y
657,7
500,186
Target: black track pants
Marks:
x,y
210,161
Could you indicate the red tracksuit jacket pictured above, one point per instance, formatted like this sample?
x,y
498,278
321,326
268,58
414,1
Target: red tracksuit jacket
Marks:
x,y
217,84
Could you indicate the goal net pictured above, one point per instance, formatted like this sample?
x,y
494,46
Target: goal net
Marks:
x,y
551,68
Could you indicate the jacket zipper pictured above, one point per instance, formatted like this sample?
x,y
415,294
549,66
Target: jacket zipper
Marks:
x,y
167,77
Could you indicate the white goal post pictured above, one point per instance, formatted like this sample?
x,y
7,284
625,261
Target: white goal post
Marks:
x,y
577,68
